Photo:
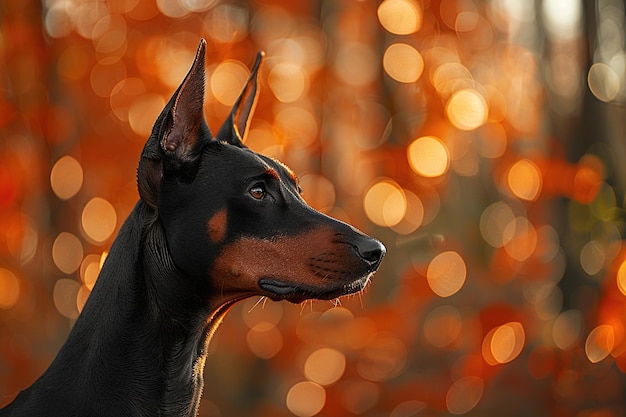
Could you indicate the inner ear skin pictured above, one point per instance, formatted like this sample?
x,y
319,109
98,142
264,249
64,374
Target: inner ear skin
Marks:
x,y
187,161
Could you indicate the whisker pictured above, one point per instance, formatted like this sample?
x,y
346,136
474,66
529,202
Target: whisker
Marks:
x,y
361,299
263,298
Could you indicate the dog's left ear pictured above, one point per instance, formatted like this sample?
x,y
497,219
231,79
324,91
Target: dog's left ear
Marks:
x,y
235,128
178,135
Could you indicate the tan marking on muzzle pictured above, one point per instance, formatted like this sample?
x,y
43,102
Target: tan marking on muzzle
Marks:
x,y
292,259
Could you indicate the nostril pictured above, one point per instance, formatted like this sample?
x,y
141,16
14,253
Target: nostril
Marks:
x,y
371,250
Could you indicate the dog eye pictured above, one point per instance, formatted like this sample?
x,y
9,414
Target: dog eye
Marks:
x,y
257,191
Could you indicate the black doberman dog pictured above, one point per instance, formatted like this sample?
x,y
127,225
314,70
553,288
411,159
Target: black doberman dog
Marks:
x,y
215,223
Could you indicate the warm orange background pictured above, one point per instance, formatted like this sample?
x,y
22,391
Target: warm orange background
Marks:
x,y
482,141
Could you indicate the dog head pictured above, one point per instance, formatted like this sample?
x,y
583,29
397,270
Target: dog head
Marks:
x,y
234,220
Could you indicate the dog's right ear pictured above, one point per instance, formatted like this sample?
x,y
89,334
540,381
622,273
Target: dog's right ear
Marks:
x,y
235,128
178,135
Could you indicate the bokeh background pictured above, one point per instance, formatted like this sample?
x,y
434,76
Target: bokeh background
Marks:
x,y
482,141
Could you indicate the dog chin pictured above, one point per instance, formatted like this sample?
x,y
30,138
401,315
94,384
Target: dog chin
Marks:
x,y
278,290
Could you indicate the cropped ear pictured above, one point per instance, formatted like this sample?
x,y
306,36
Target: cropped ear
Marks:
x,y
178,135
235,127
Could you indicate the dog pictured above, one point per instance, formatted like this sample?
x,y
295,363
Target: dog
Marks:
x,y
215,223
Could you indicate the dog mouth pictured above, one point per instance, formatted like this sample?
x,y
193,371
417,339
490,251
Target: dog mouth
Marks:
x,y
298,293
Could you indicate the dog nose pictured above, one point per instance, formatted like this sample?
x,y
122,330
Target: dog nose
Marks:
x,y
371,251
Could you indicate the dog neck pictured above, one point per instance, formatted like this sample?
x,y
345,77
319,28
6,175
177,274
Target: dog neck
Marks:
x,y
141,330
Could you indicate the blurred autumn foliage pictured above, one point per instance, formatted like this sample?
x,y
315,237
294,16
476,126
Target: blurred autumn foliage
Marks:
x,y
482,141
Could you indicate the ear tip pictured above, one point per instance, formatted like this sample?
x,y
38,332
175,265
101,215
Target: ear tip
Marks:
x,y
260,57
201,49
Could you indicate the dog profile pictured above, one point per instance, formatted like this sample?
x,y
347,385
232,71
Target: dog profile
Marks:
x,y
215,223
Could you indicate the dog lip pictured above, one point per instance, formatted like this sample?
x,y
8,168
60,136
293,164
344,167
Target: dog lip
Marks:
x,y
277,287
281,290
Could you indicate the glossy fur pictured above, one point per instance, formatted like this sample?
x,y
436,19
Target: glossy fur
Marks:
x,y
216,223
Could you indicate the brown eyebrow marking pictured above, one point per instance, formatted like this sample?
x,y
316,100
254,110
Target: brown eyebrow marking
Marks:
x,y
271,172
290,171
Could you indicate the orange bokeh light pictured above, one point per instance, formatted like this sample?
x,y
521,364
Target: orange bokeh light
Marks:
x,y
446,273
524,180
507,342
66,177
467,109
67,252
288,82
428,156
385,203
401,17
325,366
89,270
464,394
226,81
600,343
9,289
306,399
403,63
98,219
